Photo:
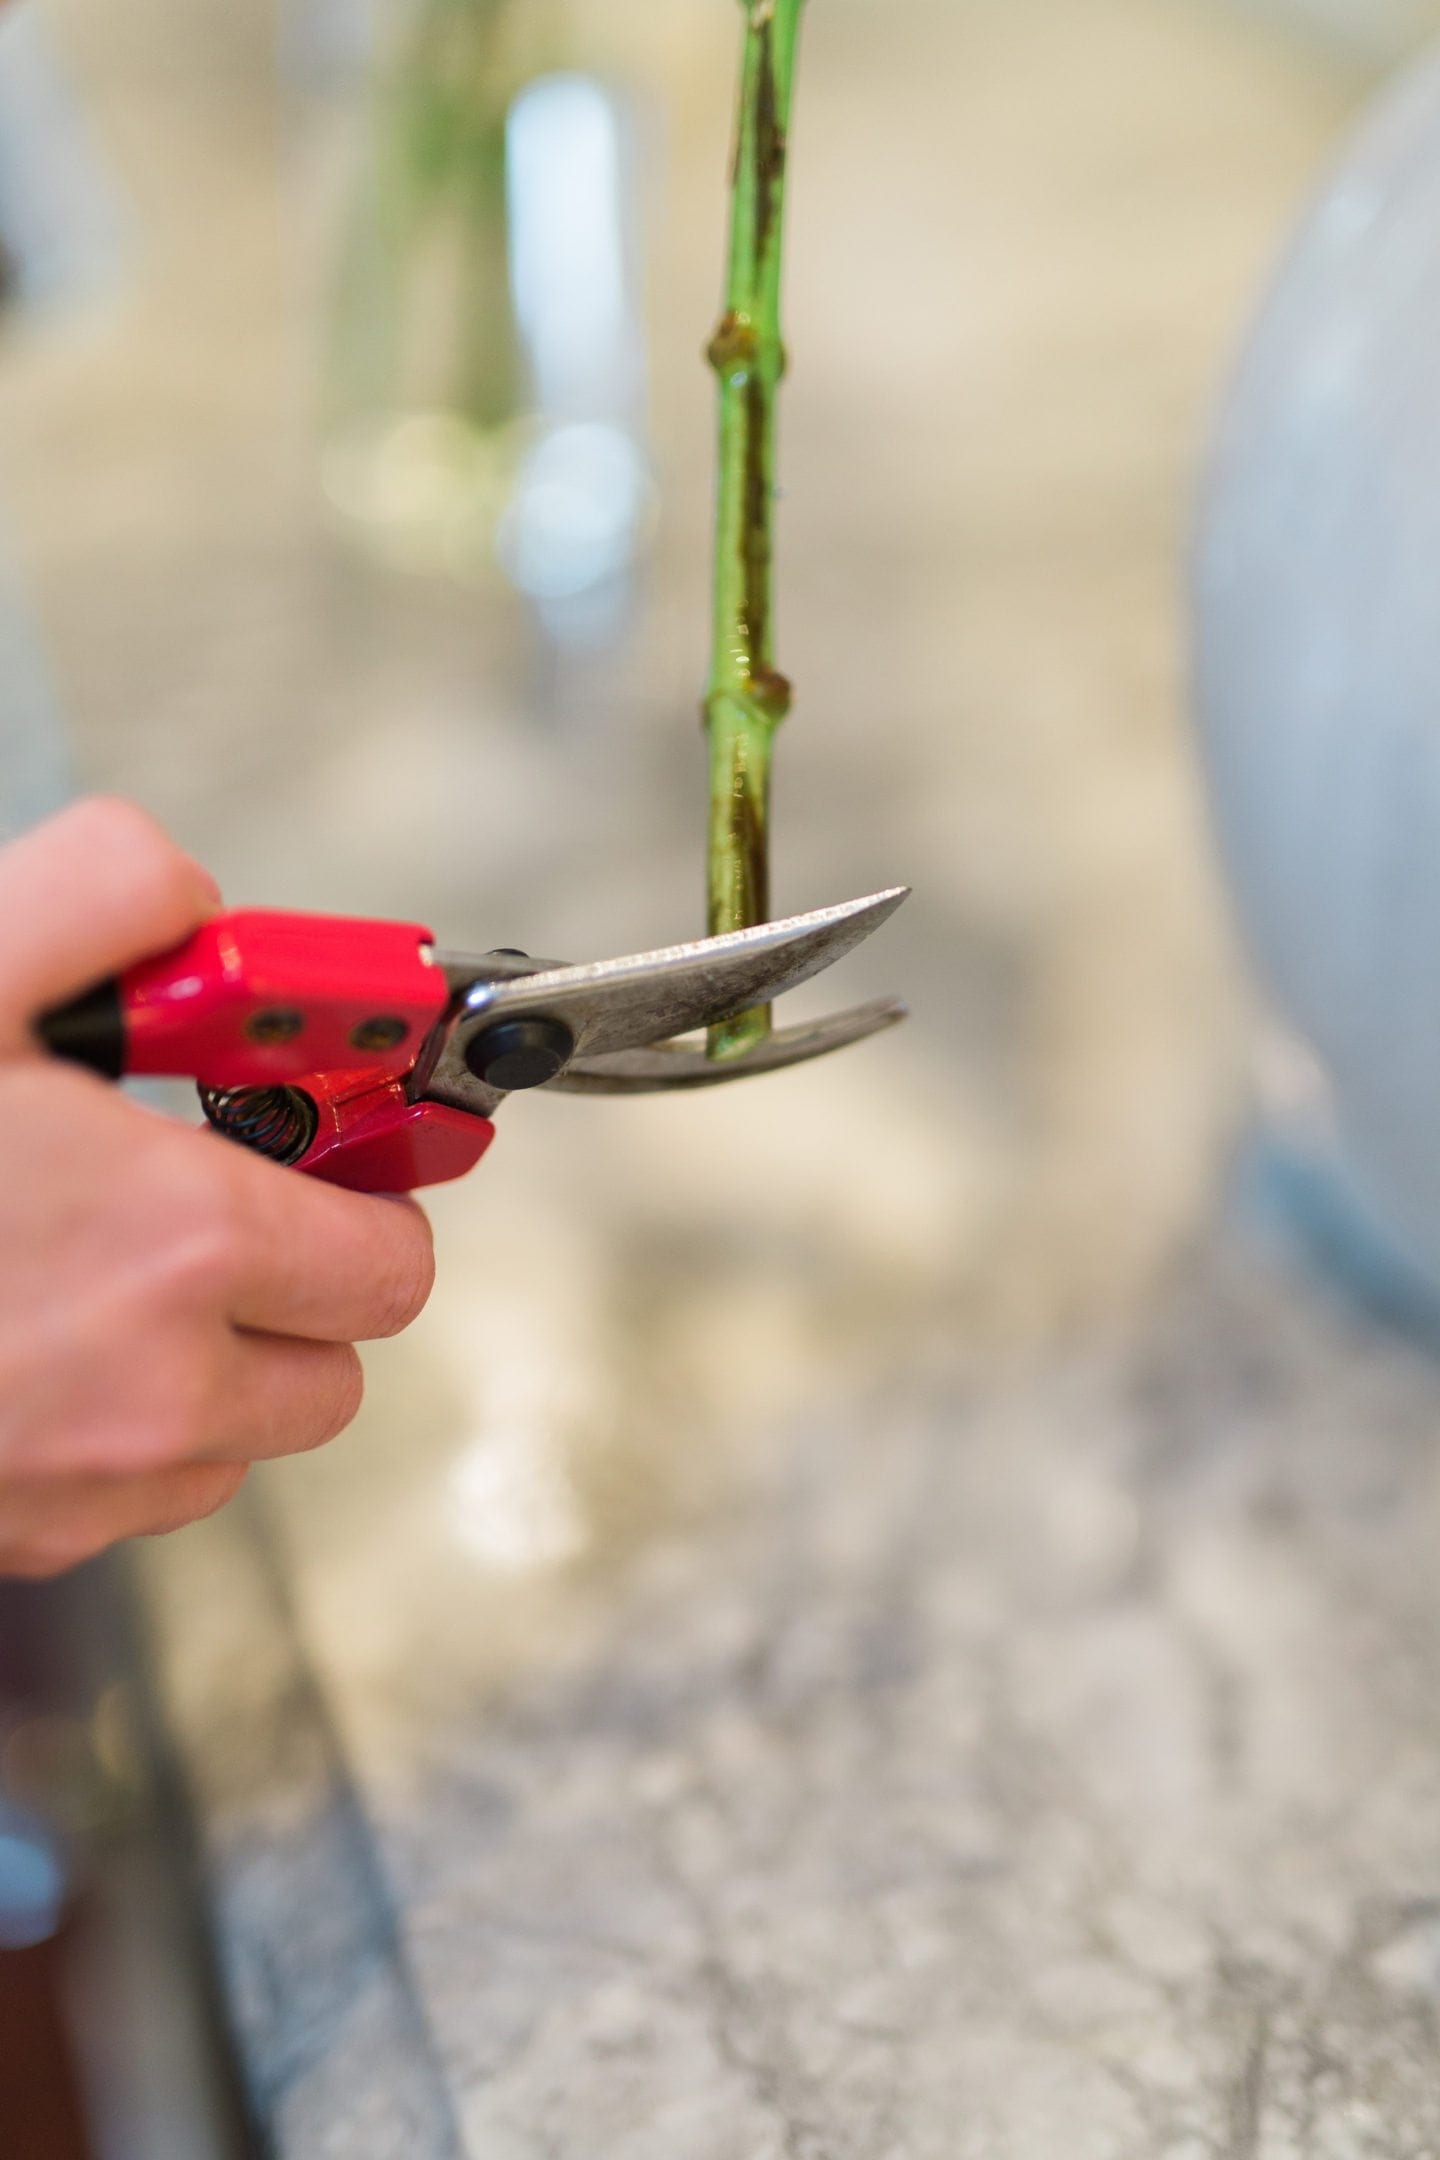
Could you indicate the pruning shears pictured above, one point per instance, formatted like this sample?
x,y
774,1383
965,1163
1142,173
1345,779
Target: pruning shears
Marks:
x,y
358,1052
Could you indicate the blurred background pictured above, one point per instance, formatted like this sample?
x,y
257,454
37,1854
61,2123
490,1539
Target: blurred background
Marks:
x,y
835,1617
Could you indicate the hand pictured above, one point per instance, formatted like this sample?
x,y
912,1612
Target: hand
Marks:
x,y
172,1308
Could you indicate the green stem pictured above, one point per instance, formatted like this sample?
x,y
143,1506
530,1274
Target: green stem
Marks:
x,y
747,696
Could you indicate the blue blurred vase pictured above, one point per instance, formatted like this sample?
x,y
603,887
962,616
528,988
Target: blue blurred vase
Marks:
x,y
1317,654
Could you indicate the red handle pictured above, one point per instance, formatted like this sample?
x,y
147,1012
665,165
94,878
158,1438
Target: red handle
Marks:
x,y
258,996
332,1006
379,1141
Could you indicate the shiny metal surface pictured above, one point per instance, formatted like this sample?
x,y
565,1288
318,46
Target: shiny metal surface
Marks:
x,y
664,1066
613,1006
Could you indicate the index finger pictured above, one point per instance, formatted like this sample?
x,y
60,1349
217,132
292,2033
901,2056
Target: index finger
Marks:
x,y
82,896
317,1261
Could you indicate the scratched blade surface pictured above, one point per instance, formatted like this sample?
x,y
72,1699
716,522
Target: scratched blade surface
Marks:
x,y
629,1004
667,1066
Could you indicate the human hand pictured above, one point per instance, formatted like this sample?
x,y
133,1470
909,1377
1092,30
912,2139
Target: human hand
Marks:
x,y
172,1308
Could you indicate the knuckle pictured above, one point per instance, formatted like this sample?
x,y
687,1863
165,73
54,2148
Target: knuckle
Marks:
x,y
203,1261
134,1446
196,1227
165,1424
171,1435
115,1398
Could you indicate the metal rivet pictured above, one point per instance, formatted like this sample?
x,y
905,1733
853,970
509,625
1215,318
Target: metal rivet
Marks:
x,y
275,1025
382,1032
520,1053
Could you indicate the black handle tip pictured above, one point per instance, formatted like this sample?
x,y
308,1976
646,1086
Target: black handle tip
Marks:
x,y
89,1031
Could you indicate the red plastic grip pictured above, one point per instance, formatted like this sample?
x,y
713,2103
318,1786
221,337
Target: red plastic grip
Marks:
x,y
260,996
336,1005
380,1142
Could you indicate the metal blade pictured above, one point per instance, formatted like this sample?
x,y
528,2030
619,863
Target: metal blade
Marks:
x,y
629,1004
667,1066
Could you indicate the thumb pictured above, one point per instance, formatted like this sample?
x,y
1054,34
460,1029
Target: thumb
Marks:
x,y
83,896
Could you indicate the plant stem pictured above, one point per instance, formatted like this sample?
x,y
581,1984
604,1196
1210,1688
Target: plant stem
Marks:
x,y
747,696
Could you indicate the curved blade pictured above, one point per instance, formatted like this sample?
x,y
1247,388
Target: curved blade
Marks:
x,y
616,1005
666,1066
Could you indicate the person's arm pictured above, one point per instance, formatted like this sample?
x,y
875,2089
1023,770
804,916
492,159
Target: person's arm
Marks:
x,y
172,1308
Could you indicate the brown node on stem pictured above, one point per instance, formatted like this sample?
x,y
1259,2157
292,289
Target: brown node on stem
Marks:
x,y
771,691
734,344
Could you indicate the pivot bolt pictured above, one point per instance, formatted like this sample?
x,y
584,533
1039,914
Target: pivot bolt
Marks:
x,y
517,1054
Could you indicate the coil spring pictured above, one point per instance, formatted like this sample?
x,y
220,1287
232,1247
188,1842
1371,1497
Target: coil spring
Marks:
x,y
279,1122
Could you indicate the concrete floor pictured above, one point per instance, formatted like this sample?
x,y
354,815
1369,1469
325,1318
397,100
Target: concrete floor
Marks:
x,y
870,1618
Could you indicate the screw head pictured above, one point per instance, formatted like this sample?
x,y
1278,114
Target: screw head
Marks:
x,y
382,1032
516,1054
276,1024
